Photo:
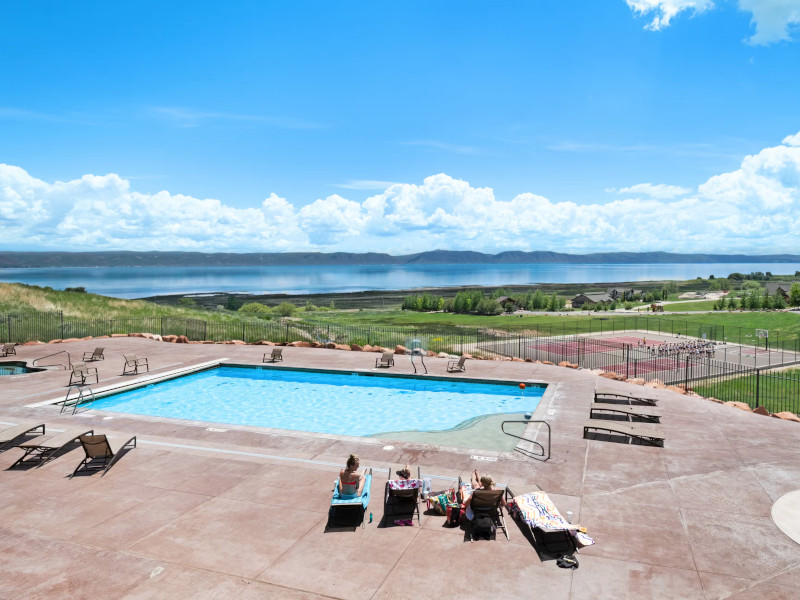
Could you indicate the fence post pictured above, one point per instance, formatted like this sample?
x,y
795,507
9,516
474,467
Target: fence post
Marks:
x,y
9,330
286,335
62,324
205,330
758,382
162,326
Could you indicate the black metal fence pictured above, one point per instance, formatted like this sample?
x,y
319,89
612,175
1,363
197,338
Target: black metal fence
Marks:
x,y
740,367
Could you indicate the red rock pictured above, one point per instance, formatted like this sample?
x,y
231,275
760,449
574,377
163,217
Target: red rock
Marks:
x,y
342,347
760,410
546,362
88,337
637,381
119,335
740,405
676,389
72,340
787,416
182,339
169,338
208,342
356,348
431,354
101,337
528,360
33,344
515,359
317,345
609,375
54,342
238,343
400,349
330,346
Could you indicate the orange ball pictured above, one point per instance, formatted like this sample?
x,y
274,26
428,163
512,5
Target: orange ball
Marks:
x,y
522,386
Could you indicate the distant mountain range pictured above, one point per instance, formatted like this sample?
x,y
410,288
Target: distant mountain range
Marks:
x,y
227,259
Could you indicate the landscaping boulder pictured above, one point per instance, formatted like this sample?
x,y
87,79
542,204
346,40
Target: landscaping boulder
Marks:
x,y
400,349
740,405
330,346
760,410
676,389
168,338
182,339
787,416
356,348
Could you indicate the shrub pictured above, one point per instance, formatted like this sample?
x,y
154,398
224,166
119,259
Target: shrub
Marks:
x,y
186,302
285,309
78,290
255,308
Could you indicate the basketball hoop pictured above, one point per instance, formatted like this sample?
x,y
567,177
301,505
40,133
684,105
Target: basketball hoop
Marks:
x,y
762,333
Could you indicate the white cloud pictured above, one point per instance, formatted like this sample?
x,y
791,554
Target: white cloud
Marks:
x,y
755,208
664,11
774,20
659,190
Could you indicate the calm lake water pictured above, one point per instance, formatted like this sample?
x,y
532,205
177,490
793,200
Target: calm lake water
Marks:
x,y
138,282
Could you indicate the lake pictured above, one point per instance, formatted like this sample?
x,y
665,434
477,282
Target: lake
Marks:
x,y
138,282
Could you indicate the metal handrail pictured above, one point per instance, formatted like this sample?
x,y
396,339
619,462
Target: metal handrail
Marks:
x,y
69,359
418,352
80,397
545,455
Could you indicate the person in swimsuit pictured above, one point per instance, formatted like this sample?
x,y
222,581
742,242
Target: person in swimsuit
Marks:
x,y
479,482
351,482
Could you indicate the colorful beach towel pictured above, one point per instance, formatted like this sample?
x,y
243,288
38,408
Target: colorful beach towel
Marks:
x,y
405,484
537,510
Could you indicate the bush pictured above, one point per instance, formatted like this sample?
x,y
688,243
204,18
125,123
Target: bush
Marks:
x,y
186,302
285,309
78,290
255,308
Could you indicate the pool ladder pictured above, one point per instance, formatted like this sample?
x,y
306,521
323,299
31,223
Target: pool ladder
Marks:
x,y
545,454
82,397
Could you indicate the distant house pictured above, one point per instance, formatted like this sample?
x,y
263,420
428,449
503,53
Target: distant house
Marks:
x,y
508,303
591,299
624,293
779,288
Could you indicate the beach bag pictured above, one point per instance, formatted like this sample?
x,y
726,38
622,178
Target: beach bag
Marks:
x,y
453,515
440,502
483,528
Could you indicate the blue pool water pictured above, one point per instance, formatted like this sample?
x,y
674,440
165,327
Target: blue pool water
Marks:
x,y
16,368
344,404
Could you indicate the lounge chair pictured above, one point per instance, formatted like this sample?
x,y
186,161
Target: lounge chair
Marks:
x,y
632,413
132,364
402,498
537,511
351,502
607,395
93,356
644,432
9,434
454,366
8,349
81,371
99,454
43,448
488,502
385,360
274,356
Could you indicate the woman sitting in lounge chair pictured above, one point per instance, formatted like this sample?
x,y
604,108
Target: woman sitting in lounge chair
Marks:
x,y
479,482
351,482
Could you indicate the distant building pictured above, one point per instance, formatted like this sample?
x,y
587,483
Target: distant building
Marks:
x,y
508,303
779,288
626,294
591,299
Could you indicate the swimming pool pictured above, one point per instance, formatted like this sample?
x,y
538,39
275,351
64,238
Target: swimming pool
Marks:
x,y
16,368
322,402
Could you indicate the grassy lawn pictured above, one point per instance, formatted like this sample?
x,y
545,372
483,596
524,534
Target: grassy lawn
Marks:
x,y
777,391
691,305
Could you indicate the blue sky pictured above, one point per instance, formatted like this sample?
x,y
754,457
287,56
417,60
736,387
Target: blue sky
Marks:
x,y
399,127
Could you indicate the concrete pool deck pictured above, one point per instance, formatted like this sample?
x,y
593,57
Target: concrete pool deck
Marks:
x,y
203,510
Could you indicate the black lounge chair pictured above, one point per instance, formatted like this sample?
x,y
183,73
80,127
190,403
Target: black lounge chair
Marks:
x,y
132,364
274,356
41,449
10,434
8,349
454,366
644,432
80,372
632,413
385,360
488,502
99,454
615,397
402,498
97,354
